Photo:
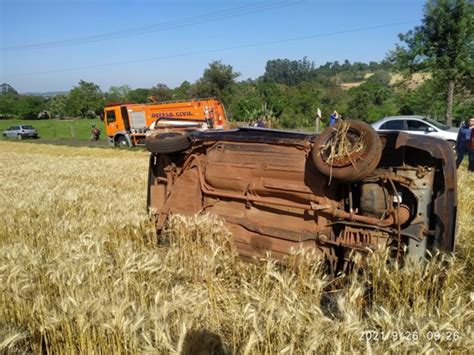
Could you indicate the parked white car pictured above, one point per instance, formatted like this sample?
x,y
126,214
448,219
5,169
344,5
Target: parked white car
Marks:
x,y
21,132
417,125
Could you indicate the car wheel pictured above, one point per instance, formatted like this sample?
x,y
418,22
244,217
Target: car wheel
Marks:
x,y
348,151
168,143
122,142
19,136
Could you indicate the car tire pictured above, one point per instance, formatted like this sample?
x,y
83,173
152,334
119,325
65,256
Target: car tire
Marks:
x,y
122,142
168,143
358,164
19,137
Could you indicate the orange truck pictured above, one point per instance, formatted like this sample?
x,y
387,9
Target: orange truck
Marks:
x,y
127,125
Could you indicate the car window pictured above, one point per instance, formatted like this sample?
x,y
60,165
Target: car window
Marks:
x,y
27,127
436,124
395,125
414,125
11,128
111,116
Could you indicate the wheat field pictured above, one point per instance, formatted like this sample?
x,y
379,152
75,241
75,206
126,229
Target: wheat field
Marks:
x,y
81,272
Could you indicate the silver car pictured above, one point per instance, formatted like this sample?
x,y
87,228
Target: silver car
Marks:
x,y
417,125
21,131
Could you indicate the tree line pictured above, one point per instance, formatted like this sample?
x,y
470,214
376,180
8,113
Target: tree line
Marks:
x,y
289,92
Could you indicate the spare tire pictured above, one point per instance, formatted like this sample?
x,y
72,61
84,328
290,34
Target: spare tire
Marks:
x,y
348,151
167,143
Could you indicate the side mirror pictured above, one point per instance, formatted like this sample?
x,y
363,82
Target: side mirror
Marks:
x,y
429,130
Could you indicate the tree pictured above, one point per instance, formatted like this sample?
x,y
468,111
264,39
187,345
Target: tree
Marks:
x,y
8,105
161,92
139,96
85,99
246,103
288,72
273,96
371,101
218,80
29,107
183,91
57,105
443,44
304,99
118,93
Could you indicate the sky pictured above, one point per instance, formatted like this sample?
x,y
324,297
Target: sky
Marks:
x,y
50,45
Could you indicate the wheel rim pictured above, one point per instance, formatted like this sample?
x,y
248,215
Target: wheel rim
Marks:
x,y
354,149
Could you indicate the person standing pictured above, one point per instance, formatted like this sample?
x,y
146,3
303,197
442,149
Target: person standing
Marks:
x,y
464,143
471,145
261,123
333,119
95,133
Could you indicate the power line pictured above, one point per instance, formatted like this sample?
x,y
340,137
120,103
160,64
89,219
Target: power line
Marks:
x,y
185,22
249,45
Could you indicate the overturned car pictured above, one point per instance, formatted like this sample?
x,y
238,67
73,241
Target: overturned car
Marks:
x,y
348,188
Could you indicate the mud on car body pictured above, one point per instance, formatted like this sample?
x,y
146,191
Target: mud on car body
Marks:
x,y
349,188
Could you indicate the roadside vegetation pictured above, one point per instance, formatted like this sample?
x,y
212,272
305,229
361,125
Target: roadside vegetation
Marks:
x,y
81,272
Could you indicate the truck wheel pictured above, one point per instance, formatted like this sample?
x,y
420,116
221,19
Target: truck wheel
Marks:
x,y
122,142
168,143
348,151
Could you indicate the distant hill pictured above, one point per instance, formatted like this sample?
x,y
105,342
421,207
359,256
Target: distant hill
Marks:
x,y
7,89
415,81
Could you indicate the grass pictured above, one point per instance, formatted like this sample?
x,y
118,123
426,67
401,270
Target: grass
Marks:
x,y
80,271
79,129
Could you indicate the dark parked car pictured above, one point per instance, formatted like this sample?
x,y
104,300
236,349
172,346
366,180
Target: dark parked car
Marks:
x,y
348,188
20,132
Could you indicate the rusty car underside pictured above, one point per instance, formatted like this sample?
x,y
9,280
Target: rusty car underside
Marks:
x,y
273,198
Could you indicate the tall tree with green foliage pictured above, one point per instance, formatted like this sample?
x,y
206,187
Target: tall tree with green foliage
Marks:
x,y
183,91
57,105
139,96
161,92
218,80
29,107
8,105
84,99
117,94
443,44
288,72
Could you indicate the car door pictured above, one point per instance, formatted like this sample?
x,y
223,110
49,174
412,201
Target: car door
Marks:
x,y
12,131
421,128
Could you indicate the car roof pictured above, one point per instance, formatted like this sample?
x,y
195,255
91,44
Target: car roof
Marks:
x,y
403,117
